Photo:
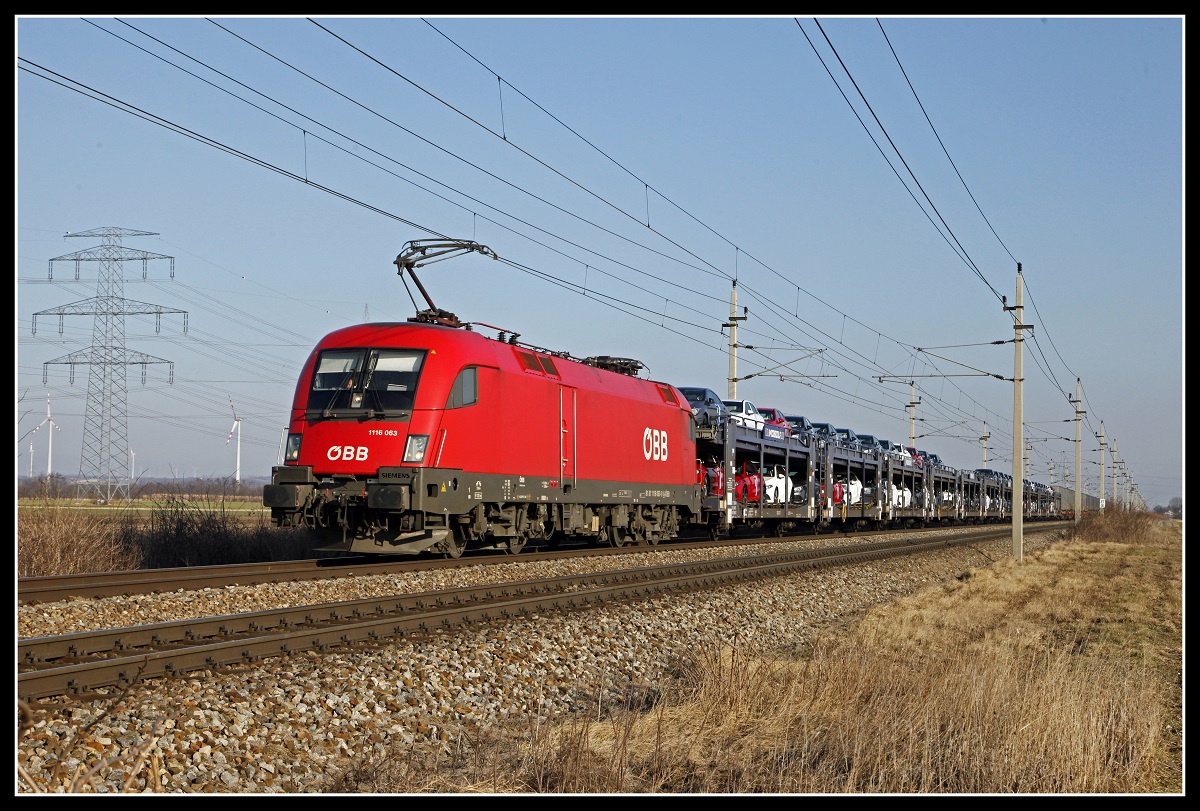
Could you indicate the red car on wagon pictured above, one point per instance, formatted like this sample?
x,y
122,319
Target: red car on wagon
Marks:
x,y
774,416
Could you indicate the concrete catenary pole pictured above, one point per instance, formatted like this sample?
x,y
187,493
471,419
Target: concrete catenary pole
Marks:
x,y
1115,462
733,342
734,318
1079,460
913,402
1079,457
1018,486
1102,464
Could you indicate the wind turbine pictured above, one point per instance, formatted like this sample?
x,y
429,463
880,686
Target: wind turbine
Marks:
x,y
49,440
237,426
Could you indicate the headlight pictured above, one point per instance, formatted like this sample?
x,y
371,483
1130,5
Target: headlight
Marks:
x,y
292,452
414,449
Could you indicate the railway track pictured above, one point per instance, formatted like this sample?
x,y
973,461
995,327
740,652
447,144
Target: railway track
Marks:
x,y
77,664
107,584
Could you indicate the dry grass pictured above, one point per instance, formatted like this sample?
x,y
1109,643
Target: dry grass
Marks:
x,y
54,537
181,531
1061,674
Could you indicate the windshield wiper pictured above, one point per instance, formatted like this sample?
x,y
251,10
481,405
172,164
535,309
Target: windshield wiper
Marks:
x,y
327,412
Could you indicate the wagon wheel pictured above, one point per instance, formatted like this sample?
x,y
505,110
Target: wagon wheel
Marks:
x,y
714,531
616,536
516,543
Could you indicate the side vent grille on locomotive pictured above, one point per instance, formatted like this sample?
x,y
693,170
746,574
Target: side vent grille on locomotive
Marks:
x,y
537,363
625,366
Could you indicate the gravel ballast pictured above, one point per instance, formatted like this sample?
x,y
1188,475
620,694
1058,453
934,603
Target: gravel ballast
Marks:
x,y
281,725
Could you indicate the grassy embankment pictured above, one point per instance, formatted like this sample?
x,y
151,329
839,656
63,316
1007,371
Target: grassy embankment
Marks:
x,y
1061,674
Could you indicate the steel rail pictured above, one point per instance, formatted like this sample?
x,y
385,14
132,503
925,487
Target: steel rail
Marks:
x,y
146,581
53,667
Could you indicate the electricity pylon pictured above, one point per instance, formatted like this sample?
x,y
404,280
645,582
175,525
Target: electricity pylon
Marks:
x,y
102,464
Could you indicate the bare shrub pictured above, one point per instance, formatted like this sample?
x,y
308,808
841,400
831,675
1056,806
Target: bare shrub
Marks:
x,y
1121,526
56,539
480,762
182,531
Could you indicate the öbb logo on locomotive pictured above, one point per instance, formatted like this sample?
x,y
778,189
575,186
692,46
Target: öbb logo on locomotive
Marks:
x,y
654,444
347,453
389,421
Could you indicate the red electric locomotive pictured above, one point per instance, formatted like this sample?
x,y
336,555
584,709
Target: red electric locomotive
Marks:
x,y
427,435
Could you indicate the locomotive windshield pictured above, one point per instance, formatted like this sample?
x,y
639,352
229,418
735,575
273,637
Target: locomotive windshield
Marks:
x,y
365,382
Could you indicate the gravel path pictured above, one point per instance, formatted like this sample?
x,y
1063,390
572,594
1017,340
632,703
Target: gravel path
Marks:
x,y
280,725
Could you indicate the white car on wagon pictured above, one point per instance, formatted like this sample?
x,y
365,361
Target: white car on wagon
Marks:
x,y
745,413
777,485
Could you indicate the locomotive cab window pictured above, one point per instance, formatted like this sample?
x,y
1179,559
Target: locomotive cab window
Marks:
x,y
465,390
336,369
375,381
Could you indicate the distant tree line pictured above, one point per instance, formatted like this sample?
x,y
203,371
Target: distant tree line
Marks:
x,y
58,486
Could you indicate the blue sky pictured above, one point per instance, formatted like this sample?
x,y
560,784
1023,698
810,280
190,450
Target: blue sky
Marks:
x,y
872,185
